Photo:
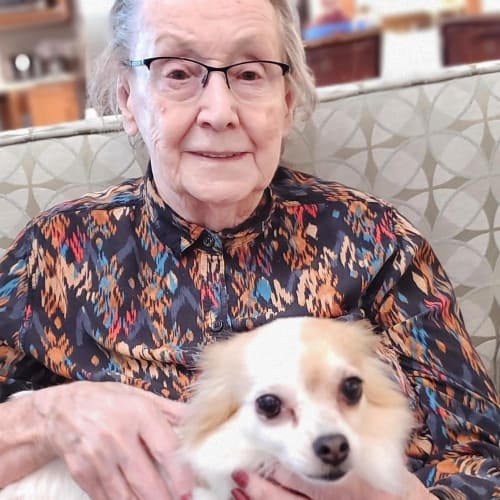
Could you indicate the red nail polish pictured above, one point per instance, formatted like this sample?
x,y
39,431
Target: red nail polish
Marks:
x,y
239,495
187,496
240,478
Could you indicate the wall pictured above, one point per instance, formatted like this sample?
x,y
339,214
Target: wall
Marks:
x,y
93,26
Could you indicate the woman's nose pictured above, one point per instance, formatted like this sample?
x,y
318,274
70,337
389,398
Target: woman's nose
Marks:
x,y
218,107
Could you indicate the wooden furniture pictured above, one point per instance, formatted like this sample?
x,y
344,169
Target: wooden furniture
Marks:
x,y
12,110
54,103
42,103
470,39
57,11
345,57
407,21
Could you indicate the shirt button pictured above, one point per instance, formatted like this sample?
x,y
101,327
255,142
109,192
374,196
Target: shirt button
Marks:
x,y
217,326
208,241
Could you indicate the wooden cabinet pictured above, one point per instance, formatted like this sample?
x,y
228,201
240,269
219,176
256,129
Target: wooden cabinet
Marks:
x,y
43,103
56,11
54,103
345,57
12,110
470,39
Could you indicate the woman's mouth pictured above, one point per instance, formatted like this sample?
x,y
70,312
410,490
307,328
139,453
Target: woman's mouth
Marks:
x,y
218,156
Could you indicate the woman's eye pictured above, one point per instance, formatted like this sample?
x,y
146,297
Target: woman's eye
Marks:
x,y
268,405
249,76
177,74
352,389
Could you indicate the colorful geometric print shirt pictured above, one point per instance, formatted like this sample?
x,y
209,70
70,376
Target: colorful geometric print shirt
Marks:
x,y
115,286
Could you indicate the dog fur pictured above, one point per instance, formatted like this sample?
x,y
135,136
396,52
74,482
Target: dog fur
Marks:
x,y
281,393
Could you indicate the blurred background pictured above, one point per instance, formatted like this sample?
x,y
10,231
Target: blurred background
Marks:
x,y
47,47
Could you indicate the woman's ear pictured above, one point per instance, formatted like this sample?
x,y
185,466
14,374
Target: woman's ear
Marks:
x,y
124,103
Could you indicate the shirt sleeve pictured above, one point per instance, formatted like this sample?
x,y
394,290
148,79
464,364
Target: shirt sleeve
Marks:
x,y
455,449
18,370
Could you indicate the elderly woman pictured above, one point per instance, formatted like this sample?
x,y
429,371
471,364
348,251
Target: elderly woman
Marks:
x,y
127,285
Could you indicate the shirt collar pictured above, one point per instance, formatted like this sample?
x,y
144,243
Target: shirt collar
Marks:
x,y
180,235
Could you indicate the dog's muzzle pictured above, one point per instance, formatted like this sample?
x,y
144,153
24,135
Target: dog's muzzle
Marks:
x,y
331,449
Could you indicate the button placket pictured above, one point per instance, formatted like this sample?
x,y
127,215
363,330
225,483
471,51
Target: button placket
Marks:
x,y
214,285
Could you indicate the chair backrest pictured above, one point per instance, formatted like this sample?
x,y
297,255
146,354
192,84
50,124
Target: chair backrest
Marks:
x,y
42,166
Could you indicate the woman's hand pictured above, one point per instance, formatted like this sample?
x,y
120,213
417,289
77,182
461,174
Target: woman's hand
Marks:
x,y
286,486
117,440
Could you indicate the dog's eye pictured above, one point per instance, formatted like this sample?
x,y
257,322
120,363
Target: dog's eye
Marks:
x,y
268,405
352,388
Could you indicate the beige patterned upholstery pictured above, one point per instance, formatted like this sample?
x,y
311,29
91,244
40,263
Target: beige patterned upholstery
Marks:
x,y
432,148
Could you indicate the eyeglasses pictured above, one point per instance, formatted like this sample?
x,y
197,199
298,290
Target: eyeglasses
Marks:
x,y
181,79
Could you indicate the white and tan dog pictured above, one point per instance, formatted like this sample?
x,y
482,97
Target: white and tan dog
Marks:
x,y
307,393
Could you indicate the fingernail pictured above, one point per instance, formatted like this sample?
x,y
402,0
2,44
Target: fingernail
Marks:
x,y
187,496
239,495
240,478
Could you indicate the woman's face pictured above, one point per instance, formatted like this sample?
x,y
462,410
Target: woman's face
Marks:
x,y
212,155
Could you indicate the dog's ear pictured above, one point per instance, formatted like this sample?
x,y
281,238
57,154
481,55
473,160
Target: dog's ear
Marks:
x,y
217,393
383,389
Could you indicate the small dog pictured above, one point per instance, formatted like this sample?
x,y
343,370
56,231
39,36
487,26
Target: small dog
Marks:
x,y
307,393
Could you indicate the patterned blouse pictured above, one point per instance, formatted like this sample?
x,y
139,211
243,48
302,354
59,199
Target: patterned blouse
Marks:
x,y
115,286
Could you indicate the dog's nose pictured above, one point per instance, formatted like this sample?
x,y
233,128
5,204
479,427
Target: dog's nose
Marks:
x,y
332,449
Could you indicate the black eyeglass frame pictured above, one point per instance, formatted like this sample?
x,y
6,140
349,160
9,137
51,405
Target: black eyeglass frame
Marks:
x,y
285,68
